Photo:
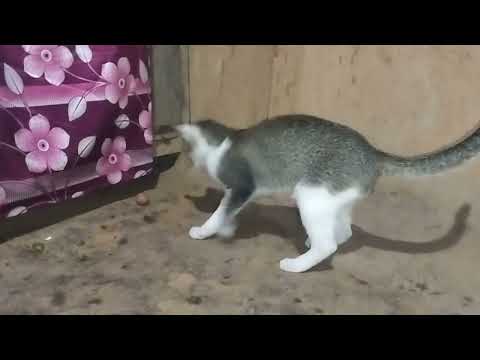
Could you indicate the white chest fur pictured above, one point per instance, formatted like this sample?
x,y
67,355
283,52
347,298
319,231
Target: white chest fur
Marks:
x,y
203,154
215,156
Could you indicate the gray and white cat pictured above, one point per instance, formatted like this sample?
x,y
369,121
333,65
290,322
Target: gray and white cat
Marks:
x,y
326,167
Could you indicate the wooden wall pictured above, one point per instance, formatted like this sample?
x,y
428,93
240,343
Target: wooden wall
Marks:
x,y
407,100
231,83
170,85
423,95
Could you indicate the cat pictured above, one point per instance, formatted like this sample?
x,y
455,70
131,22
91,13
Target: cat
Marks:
x,y
326,167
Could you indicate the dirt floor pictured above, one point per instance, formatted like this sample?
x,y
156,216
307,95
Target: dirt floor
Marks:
x,y
411,253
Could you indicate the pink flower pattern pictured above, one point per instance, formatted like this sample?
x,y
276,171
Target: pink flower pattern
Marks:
x,y
120,82
115,160
145,120
43,145
51,60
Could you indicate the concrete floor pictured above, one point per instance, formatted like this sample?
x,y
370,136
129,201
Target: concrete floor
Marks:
x,y
411,253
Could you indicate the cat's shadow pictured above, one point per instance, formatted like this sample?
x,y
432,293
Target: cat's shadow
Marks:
x,y
284,221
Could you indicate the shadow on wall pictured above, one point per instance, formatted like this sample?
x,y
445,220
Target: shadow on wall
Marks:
x,y
284,221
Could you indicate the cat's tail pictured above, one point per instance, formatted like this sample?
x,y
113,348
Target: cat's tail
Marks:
x,y
430,164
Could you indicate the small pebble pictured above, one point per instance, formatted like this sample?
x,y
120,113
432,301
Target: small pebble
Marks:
x,y
83,258
142,200
195,300
95,301
38,247
149,219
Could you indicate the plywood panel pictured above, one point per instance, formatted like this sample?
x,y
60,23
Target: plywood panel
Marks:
x,y
405,99
231,83
170,82
286,79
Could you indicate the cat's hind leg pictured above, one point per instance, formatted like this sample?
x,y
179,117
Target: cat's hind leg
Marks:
x,y
343,228
320,212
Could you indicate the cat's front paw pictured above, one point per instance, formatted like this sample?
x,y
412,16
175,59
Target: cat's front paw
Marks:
x,y
198,233
292,265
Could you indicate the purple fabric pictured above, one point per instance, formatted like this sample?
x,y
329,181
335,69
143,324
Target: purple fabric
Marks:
x,y
73,119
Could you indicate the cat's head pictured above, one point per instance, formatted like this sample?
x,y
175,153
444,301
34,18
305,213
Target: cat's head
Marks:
x,y
202,137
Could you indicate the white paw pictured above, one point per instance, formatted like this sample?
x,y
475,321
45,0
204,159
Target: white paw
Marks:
x,y
291,265
197,233
227,231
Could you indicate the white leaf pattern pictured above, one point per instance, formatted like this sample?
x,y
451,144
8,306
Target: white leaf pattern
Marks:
x,y
139,174
122,121
142,69
76,107
77,194
84,53
85,146
13,80
3,196
17,211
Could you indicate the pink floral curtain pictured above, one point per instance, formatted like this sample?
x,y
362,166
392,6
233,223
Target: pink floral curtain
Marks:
x,y
73,119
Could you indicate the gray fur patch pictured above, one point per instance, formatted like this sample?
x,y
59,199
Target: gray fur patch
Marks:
x,y
278,153
431,164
